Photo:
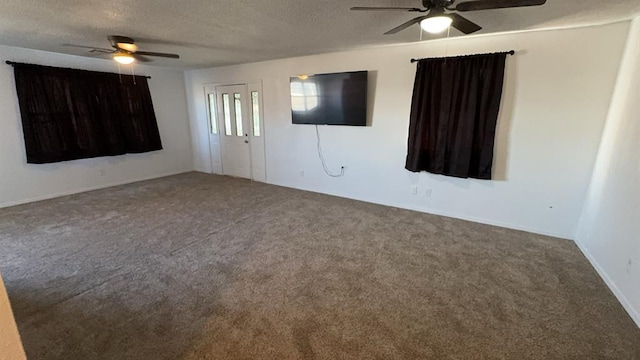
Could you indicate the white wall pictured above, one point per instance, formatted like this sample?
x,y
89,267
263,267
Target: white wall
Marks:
x,y
22,182
609,230
557,93
10,344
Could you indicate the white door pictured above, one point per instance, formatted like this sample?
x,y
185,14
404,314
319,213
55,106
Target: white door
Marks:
x,y
233,111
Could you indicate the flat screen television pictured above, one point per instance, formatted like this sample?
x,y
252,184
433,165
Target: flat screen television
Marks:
x,y
329,99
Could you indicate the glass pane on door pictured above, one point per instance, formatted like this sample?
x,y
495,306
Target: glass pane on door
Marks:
x,y
212,114
238,105
226,107
255,113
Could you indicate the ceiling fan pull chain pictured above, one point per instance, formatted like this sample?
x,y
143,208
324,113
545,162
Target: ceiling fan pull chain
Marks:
x,y
446,51
133,75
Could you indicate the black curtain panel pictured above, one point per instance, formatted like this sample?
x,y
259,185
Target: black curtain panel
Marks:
x,y
70,114
454,112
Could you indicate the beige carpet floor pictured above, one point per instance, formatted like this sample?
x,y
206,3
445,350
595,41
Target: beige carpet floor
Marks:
x,y
198,266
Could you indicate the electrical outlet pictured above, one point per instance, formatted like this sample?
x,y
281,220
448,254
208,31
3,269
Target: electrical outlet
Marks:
x,y
427,193
102,172
301,173
414,189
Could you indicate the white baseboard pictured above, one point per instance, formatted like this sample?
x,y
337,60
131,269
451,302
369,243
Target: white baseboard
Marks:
x,y
437,212
89,188
492,222
634,313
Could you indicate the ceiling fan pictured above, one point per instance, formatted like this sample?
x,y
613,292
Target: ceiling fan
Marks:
x,y
438,19
125,50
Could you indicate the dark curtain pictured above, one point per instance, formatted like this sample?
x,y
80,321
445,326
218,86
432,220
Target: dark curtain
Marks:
x,y
454,112
70,114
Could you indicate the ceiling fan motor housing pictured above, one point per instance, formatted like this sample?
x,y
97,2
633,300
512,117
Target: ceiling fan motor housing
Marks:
x,y
437,4
115,39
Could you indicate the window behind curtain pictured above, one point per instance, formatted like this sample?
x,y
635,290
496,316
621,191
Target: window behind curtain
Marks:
x,y
70,114
454,112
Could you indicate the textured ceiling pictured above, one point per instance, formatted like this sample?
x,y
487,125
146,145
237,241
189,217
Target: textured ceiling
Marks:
x,y
211,33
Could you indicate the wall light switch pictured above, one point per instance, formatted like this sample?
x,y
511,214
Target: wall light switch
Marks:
x,y
414,189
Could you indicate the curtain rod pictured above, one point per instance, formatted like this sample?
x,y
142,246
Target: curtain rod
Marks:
x,y
12,63
510,52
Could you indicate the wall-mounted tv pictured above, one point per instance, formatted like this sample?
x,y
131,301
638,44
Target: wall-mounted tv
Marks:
x,y
330,99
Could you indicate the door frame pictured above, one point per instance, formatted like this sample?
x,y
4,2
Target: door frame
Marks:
x,y
236,146
257,146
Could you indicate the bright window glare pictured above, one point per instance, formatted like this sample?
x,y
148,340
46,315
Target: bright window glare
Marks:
x,y
304,95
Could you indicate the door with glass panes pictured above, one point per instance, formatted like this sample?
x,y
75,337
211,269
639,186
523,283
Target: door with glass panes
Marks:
x,y
235,144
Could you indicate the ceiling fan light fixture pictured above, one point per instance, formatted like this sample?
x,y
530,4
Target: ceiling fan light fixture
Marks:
x,y
436,24
123,58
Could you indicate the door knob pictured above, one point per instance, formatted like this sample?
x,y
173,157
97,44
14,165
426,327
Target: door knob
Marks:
x,y
246,141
